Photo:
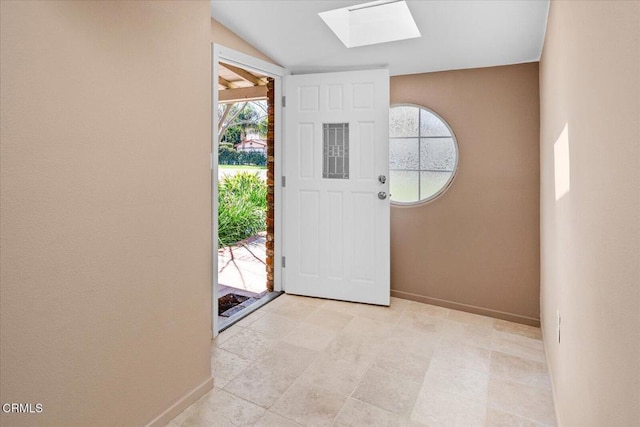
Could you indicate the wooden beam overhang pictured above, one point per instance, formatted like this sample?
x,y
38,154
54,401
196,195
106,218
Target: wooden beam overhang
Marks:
x,y
253,93
225,83
245,75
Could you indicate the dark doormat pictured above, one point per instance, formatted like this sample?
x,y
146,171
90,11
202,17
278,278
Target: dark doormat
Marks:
x,y
232,303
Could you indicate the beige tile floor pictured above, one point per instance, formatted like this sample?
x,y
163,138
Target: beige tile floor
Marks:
x,y
305,361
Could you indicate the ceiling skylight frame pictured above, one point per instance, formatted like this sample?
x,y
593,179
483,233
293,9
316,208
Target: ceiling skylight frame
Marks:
x,y
371,23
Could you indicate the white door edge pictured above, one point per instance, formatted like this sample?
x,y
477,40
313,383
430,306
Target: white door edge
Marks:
x,y
221,53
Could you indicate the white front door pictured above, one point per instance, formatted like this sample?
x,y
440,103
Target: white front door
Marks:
x,y
336,203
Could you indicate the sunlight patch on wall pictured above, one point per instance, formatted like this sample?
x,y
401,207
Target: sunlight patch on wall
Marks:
x,y
562,163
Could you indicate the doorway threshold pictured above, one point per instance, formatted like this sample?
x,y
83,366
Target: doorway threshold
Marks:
x,y
227,322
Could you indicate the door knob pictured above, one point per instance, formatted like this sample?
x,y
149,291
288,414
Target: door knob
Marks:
x,y
382,195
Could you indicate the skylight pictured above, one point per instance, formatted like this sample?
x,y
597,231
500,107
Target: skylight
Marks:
x,y
372,23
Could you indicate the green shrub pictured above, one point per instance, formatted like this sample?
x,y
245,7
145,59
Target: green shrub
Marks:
x,y
229,156
242,207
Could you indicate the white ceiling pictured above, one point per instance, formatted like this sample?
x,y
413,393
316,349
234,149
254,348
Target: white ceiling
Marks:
x,y
456,34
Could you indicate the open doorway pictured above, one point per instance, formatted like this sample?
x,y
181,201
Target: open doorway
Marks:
x,y
231,89
245,171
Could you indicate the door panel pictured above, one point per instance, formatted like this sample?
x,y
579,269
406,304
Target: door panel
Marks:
x,y
309,236
336,146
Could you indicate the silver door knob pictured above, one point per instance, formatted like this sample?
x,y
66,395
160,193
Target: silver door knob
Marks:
x,y
382,195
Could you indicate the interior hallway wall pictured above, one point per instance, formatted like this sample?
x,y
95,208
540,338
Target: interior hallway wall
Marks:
x,y
105,209
227,38
590,216
476,247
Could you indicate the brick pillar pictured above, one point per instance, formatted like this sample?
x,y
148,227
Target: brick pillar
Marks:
x,y
271,97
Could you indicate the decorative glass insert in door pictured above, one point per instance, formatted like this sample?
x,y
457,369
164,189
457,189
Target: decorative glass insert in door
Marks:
x,y
335,150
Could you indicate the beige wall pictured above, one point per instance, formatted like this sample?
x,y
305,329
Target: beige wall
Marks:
x,y
590,226
225,37
105,214
476,247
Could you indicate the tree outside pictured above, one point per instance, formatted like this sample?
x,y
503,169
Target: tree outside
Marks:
x,y
241,197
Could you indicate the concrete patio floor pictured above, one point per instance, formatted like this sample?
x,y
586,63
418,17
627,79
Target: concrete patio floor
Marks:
x,y
243,266
242,271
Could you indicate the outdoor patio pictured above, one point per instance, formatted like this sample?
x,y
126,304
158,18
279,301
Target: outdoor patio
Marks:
x,y
241,271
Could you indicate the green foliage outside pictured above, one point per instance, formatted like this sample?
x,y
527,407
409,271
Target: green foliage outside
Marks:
x,y
243,167
232,135
243,197
229,156
236,121
242,208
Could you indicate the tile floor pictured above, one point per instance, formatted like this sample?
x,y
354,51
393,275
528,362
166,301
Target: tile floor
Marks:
x,y
306,361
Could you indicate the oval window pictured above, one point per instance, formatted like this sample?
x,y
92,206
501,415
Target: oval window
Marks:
x,y
423,154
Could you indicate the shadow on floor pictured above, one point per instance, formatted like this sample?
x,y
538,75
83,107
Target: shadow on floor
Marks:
x,y
242,279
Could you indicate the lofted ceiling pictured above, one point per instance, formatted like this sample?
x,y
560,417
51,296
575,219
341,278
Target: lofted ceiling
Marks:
x,y
456,34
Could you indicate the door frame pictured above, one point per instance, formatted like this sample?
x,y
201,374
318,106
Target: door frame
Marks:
x,y
249,63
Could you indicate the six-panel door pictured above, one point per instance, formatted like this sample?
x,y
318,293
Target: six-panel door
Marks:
x,y
336,216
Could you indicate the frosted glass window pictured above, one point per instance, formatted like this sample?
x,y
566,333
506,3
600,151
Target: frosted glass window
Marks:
x,y
403,185
423,154
437,154
403,122
404,153
432,125
432,182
